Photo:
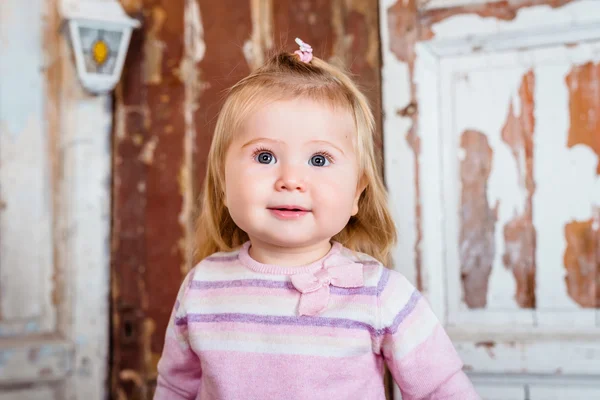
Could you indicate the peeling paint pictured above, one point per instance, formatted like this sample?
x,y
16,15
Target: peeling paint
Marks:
x,y
195,46
195,51
154,48
582,261
506,10
583,82
488,346
478,219
519,232
147,153
403,27
128,375
151,355
414,142
186,244
261,40
403,22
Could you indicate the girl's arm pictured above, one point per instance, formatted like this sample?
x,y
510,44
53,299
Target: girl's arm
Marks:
x,y
179,371
417,350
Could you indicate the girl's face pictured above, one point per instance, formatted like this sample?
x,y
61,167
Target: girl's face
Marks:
x,y
291,174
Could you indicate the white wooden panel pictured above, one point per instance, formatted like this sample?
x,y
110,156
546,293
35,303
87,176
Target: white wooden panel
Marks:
x,y
568,178
398,155
26,216
488,83
565,178
85,146
500,392
460,87
430,164
532,27
563,393
55,157
24,361
38,393
536,353
489,91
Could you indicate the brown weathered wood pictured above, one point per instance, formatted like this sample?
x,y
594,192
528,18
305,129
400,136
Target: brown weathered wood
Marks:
x,y
364,57
227,26
147,196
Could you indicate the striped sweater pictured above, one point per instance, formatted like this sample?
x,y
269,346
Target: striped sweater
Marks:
x,y
236,333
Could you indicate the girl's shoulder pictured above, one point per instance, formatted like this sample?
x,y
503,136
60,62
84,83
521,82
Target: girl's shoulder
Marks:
x,y
375,272
378,274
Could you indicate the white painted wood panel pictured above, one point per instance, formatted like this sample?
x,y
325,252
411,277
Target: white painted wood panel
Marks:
x,y
25,192
563,393
398,156
467,77
85,146
23,361
54,214
565,178
487,83
500,392
537,352
41,393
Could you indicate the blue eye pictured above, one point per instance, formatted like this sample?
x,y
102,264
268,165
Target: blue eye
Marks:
x,y
265,157
318,160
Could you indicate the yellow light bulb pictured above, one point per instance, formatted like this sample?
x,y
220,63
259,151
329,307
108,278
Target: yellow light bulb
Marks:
x,y
100,51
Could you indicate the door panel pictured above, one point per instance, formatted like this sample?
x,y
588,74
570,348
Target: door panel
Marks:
x,y
508,128
29,394
54,214
26,219
503,103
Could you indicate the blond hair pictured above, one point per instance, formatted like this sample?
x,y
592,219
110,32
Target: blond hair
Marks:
x,y
284,76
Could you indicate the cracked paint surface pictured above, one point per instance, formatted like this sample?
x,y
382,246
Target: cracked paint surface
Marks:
x,y
519,232
583,83
581,257
403,26
582,261
478,219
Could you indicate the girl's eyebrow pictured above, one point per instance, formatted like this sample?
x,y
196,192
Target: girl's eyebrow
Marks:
x,y
262,139
325,142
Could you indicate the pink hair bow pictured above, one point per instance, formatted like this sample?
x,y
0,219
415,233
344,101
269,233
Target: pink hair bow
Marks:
x,y
315,287
305,51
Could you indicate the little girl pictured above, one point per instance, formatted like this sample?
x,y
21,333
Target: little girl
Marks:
x,y
292,299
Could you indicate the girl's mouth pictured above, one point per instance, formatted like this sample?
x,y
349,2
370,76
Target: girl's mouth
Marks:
x,y
288,212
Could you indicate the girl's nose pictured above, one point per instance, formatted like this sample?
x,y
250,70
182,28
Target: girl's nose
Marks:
x,y
290,179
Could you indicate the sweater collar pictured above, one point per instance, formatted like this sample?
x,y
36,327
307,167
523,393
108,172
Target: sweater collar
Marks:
x,y
254,265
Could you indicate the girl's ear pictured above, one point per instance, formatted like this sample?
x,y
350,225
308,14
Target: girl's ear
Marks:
x,y
360,188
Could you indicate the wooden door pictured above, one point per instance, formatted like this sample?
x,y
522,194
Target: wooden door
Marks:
x,y
54,222
508,161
